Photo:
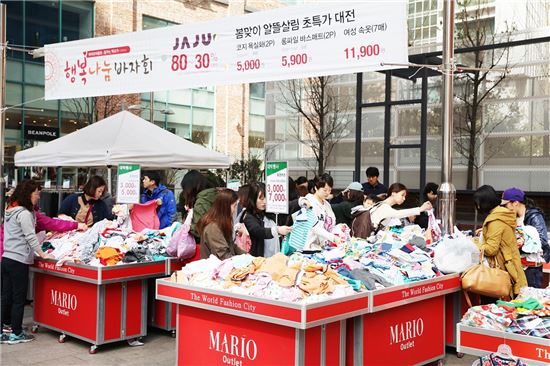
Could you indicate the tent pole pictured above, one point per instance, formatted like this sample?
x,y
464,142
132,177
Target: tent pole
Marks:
x,y
3,183
109,180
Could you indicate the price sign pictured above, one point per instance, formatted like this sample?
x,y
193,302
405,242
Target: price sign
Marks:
x,y
276,187
234,184
129,183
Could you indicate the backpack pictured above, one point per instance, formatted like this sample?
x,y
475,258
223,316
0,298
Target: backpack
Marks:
x,y
361,226
182,244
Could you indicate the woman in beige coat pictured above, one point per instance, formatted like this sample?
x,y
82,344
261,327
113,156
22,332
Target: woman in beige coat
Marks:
x,y
499,243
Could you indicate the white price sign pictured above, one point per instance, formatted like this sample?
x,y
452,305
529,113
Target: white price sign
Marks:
x,y
129,183
276,187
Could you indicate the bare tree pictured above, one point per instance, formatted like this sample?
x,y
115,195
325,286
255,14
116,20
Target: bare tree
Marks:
x,y
97,108
475,29
323,112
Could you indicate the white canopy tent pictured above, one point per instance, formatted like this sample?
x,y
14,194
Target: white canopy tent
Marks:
x,y
122,138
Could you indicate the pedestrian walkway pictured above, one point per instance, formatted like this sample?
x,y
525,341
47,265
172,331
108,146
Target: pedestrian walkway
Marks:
x,y
159,349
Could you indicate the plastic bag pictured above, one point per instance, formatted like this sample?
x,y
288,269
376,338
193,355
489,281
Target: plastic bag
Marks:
x,y
182,244
455,254
271,246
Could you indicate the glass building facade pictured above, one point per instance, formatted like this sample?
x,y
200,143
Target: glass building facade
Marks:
x,y
512,148
31,25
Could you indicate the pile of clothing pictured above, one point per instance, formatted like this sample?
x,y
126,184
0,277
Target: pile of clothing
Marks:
x,y
279,277
528,314
109,243
395,258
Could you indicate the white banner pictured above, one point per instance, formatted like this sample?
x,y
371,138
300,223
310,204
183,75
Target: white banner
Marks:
x,y
286,43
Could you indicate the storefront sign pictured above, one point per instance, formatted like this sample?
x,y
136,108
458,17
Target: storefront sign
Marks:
x,y
41,133
276,187
288,43
129,183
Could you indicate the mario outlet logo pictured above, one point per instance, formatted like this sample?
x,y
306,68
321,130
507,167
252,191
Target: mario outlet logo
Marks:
x,y
405,333
235,349
64,302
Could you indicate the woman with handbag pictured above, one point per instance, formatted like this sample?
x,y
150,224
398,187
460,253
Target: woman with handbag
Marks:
x,y
264,232
498,242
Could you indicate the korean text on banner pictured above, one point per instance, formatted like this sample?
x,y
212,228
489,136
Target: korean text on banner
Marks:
x,y
129,183
290,42
276,187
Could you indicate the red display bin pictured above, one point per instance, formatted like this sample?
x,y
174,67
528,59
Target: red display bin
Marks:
x,y
162,314
211,329
405,324
455,308
479,342
545,274
96,304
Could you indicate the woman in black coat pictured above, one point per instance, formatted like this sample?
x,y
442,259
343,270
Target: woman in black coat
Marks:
x,y
254,221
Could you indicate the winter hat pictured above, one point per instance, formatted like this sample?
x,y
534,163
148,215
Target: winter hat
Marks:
x,y
512,194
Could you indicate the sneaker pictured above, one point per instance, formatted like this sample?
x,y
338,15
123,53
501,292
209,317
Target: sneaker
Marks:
x,y
5,338
6,328
21,338
134,342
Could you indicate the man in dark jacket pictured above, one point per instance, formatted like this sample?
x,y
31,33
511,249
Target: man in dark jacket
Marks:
x,y
373,185
166,201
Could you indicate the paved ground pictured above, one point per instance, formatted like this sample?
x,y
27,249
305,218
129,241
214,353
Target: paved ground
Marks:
x,y
159,349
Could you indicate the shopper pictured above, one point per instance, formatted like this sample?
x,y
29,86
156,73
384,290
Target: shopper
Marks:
x,y
429,193
199,194
87,207
301,186
216,227
528,214
383,212
154,190
499,239
373,185
352,196
320,233
20,245
264,232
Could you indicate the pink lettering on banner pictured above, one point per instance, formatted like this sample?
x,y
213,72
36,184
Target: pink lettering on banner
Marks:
x,y
108,51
